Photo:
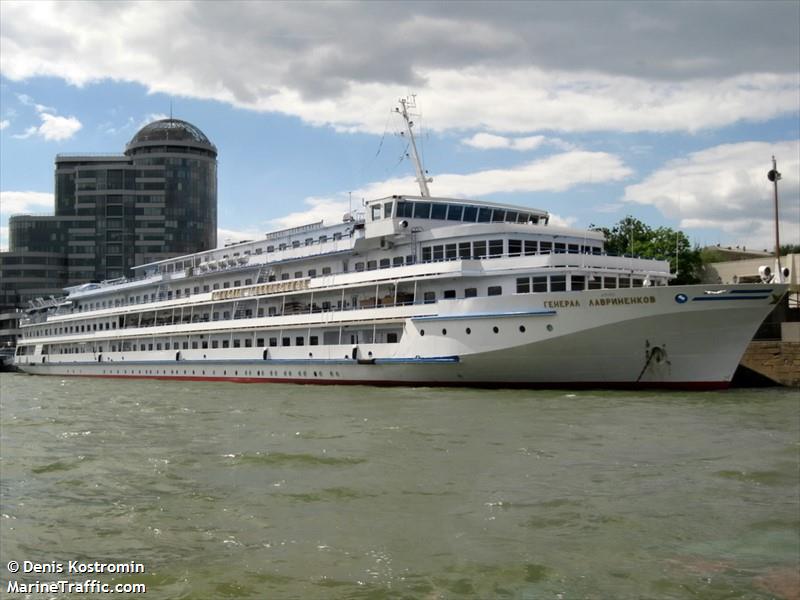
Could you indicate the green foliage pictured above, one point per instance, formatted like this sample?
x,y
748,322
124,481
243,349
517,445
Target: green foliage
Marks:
x,y
789,249
632,237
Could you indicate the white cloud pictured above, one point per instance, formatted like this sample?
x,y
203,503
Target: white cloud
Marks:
x,y
329,210
490,141
726,188
53,127
4,123
229,236
12,203
554,173
483,67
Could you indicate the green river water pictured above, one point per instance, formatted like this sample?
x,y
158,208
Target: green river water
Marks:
x,y
227,490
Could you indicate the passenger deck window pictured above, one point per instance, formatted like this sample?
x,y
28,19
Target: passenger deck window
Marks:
x,y
578,283
479,249
470,292
464,250
514,247
429,297
523,285
540,284
495,290
495,248
558,283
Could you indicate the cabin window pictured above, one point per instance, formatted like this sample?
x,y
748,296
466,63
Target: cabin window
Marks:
x,y
312,272
359,266
411,259
560,248
558,283
273,342
464,250
438,253
426,254
185,345
226,344
284,276
609,283
429,297
313,340
495,290
523,285
449,294
545,247
270,248
226,285
397,261
326,270
624,282
299,340
514,247
205,345
286,341
372,265
248,342
323,239
530,247
450,251
298,274
214,343
479,249
470,292
572,248
194,345
539,284
385,263
578,283
295,243
309,241
391,338
216,286
495,248
237,283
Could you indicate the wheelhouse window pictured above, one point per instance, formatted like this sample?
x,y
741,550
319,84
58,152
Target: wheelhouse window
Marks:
x,y
439,211
376,212
454,212
470,214
422,210
387,209
484,215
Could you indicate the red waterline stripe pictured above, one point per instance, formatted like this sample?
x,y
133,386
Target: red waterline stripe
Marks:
x,y
561,385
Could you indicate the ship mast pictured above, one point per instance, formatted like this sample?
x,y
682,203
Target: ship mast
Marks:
x,y
405,104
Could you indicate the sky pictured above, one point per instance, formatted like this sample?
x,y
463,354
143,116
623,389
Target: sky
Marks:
x,y
666,111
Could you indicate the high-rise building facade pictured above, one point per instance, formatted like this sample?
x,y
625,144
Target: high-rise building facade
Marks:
x,y
114,211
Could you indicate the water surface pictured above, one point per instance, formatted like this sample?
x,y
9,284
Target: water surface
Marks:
x,y
279,491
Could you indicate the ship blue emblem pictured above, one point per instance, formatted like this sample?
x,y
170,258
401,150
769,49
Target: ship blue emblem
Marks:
x,y
681,298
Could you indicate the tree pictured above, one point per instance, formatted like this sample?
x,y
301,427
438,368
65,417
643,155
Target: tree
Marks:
x,y
631,237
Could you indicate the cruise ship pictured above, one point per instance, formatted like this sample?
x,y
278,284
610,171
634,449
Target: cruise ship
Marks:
x,y
413,290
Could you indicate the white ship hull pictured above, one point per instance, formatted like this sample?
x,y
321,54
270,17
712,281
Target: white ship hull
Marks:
x,y
662,337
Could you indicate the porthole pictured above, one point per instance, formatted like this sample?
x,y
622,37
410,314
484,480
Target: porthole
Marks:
x,y
496,329
422,332
549,328
522,328
444,331
469,330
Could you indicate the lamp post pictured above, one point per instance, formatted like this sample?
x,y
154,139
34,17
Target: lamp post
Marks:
x,y
774,176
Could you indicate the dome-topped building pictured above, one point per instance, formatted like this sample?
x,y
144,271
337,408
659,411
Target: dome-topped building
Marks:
x,y
172,132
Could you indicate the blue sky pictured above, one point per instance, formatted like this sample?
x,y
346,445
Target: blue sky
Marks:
x,y
666,111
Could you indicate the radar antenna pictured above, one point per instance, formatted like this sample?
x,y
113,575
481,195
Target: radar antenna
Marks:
x,y
405,104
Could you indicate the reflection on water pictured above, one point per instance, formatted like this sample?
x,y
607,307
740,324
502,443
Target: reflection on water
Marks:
x,y
255,491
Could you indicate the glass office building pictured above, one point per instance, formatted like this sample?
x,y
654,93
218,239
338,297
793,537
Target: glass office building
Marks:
x,y
113,211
